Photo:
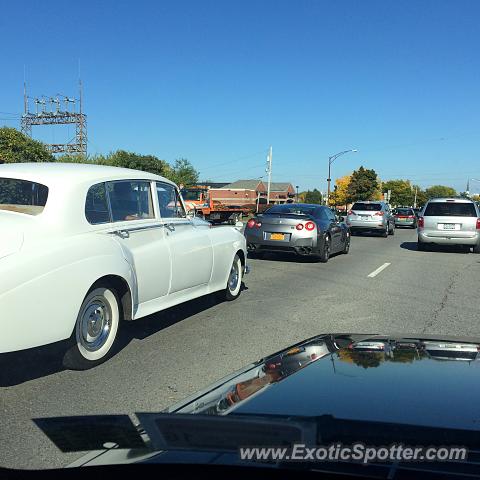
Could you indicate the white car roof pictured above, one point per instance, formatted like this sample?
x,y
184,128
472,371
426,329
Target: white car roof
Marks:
x,y
52,173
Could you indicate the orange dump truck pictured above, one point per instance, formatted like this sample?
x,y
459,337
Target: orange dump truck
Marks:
x,y
201,200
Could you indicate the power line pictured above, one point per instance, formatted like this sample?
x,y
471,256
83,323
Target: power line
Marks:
x,y
236,160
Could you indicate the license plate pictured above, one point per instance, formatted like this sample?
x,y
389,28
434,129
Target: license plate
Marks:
x,y
277,236
449,226
364,217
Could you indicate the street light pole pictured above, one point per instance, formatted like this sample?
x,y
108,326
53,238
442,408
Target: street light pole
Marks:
x,y
330,161
468,185
296,186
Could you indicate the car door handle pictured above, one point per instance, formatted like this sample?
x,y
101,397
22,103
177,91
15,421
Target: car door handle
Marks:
x,y
122,233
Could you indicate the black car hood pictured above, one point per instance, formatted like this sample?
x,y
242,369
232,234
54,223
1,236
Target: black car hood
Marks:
x,y
429,381
349,387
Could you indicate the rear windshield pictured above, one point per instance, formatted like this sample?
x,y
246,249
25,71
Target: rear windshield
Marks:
x,y
373,207
22,196
291,209
450,209
403,211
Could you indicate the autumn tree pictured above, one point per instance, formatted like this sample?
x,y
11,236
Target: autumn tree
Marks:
x,y
339,196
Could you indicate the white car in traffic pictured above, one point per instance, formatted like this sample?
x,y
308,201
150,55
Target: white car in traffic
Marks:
x,y
84,247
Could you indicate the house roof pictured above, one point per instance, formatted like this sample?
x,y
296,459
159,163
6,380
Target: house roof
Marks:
x,y
253,184
244,184
280,186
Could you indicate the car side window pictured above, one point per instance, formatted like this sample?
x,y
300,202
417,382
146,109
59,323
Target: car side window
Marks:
x,y
330,215
96,205
130,200
169,201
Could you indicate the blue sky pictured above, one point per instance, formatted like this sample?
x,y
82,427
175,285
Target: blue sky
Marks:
x,y
219,81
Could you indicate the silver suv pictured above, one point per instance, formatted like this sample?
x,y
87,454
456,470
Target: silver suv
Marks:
x,y
371,216
449,221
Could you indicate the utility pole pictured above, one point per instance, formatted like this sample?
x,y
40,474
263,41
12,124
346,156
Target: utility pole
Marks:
x,y
268,170
415,200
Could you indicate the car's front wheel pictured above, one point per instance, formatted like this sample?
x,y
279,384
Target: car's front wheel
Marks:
x,y
234,283
96,329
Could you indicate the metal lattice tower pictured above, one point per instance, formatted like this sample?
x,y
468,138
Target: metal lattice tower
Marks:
x,y
58,110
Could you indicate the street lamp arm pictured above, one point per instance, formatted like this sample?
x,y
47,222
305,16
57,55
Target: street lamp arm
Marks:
x,y
334,157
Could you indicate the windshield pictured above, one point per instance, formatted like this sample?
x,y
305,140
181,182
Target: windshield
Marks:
x,y
192,195
22,196
367,207
290,209
404,211
450,209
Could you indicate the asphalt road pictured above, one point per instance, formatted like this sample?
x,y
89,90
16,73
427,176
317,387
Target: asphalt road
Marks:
x,y
172,354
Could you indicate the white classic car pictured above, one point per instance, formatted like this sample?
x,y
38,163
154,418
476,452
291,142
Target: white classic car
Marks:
x,y
84,247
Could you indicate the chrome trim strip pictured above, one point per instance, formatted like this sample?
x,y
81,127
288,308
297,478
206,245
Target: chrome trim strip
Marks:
x,y
138,229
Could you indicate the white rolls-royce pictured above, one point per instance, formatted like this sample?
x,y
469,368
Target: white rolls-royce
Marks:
x,y
84,247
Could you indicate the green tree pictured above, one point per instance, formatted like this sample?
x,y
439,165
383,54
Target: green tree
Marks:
x,y
421,195
16,147
402,192
146,163
314,196
438,191
184,173
363,185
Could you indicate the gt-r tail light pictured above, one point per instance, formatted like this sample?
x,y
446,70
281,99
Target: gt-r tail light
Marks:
x,y
478,223
380,214
258,224
251,223
421,222
299,226
310,226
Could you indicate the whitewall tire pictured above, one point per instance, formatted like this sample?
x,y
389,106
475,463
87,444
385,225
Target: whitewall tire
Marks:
x,y
96,329
234,282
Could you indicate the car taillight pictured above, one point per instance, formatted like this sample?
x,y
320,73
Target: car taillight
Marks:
x,y
411,216
299,226
350,212
258,224
420,222
251,223
379,214
310,226
478,223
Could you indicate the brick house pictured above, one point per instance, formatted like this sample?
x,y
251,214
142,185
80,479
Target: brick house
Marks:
x,y
246,192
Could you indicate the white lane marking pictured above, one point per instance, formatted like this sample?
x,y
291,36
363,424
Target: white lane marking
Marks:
x,y
378,270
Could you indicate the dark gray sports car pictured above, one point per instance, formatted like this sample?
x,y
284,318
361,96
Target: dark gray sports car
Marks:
x,y
300,228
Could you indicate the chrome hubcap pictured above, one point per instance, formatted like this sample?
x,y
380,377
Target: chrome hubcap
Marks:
x,y
234,276
95,324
